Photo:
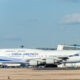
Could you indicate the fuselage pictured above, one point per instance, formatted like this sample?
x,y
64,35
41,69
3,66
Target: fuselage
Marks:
x,y
28,54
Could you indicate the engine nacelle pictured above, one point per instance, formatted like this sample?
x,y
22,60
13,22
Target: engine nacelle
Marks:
x,y
50,61
33,63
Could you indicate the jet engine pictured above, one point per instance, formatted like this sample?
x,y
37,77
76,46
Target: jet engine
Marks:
x,y
50,61
34,62
43,62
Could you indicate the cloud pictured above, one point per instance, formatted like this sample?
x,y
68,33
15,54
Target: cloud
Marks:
x,y
71,19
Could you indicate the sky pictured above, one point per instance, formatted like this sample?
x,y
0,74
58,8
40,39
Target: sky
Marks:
x,y
39,23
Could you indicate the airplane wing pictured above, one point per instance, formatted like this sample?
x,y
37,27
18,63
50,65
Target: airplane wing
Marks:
x,y
50,60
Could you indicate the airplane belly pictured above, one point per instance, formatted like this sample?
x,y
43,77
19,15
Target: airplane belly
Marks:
x,y
8,59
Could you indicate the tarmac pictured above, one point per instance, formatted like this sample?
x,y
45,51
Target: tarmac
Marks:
x,y
31,74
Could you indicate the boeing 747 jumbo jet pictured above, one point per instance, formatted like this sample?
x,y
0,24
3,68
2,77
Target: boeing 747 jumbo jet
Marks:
x,y
35,57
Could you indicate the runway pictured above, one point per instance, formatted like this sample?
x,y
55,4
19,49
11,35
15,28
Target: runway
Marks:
x,y
30,74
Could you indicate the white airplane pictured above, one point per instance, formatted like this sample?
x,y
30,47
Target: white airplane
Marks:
x,y
35,57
